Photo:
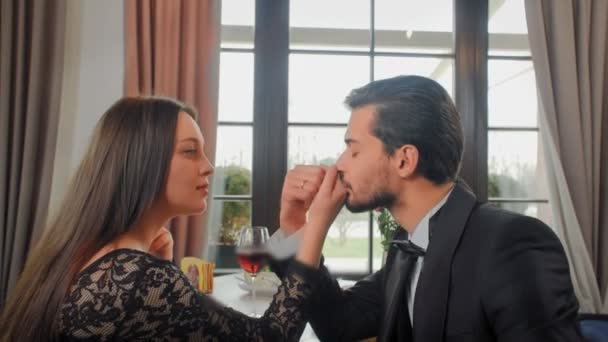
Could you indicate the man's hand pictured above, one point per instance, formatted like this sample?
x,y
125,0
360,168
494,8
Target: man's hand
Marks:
x,y
162,245
329,200
323,211
300,187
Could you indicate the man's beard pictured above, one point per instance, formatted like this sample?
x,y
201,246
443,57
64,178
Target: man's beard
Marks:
x,y
382,199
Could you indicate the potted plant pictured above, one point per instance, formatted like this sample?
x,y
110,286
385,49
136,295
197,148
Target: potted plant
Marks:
x,y
388,228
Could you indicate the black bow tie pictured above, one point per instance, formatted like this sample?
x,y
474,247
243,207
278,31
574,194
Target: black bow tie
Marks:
x,y
409,247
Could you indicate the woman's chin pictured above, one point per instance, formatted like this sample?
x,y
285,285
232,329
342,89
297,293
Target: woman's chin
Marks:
x,y
194,210
200,210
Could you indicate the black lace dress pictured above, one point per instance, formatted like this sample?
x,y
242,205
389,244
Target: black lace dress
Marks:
x,y
131,295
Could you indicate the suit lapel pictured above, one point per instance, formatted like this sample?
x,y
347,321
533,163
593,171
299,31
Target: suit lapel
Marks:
x,y
447,226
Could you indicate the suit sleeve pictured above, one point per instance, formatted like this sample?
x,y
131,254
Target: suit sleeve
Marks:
x,y
528,294
343,315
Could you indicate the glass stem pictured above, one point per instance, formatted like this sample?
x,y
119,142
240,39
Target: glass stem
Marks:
x,y
253,294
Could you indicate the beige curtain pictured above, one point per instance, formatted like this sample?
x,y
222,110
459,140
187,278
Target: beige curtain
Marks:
x,y
31,68
569,44
172,49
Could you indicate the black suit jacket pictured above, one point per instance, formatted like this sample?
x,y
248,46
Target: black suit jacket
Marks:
x,y
488,275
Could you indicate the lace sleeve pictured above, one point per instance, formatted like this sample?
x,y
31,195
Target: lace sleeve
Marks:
x,y
167,305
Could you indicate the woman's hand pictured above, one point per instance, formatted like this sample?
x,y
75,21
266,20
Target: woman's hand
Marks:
x,y
323,210
299,189
162,245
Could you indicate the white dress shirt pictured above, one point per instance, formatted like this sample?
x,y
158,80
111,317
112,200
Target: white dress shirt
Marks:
x,y
420,237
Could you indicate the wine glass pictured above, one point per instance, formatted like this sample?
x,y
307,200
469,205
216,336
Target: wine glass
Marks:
x,y
252,254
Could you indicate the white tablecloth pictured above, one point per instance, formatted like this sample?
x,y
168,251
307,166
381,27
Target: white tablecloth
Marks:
x,y
227,291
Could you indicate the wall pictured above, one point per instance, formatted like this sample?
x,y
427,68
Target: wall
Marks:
x,y
93,80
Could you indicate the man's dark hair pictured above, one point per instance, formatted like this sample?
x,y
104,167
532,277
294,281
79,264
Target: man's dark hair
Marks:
x,y
418,111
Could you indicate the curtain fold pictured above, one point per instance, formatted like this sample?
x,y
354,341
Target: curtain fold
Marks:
x,y
568,41
172,49
32,35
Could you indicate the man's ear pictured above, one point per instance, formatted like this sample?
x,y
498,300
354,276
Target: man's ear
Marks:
x,y
405,160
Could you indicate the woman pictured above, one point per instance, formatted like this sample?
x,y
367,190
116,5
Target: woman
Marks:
x,y
102,270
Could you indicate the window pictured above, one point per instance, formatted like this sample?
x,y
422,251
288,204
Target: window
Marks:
x,y
516,174
282,87
230,205
341,52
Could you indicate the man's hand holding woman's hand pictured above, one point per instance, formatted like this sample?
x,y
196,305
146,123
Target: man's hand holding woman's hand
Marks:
x,y
323,209
299,189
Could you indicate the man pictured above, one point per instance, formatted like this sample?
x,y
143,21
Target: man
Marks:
x,y
459,270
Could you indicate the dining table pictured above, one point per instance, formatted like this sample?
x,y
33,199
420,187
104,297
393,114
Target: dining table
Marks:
x,y
232,291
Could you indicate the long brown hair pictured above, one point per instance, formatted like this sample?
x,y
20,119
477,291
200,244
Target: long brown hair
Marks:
x,y
121,175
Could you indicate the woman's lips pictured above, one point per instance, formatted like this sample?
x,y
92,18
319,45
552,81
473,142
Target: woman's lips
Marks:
x,y
203,188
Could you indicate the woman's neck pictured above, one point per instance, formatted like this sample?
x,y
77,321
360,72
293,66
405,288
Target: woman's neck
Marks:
x,y
141,234
138,237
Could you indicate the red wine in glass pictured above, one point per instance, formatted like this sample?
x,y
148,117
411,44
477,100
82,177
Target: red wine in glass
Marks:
x,y
252,260
251,253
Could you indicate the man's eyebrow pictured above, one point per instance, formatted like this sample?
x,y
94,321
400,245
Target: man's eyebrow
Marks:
x,y
349,141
